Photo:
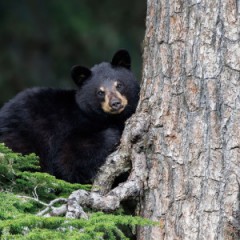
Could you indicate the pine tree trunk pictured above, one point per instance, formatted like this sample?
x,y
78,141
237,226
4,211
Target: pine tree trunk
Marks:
x,y
191,93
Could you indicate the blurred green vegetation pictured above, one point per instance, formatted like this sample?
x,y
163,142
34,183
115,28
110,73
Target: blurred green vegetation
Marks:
x,y
40,40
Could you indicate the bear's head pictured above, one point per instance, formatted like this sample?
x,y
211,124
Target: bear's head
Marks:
x,y
108,90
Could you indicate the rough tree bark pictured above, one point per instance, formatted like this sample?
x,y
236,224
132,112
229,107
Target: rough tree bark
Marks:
x,y
183,144
191,91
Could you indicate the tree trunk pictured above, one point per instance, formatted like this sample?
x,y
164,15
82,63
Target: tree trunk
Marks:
x,y
190,90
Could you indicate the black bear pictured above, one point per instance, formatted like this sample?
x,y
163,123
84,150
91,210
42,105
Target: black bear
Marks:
x,y
73,131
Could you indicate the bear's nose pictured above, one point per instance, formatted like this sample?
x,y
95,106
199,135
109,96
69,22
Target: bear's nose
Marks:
x,y
115,104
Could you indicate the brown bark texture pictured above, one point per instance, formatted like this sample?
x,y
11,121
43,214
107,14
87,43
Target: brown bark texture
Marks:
x,y
191,95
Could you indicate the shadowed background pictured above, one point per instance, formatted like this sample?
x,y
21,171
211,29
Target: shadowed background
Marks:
x,y
41,40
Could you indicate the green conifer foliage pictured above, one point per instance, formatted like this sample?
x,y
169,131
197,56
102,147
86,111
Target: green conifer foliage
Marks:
x,y
20,184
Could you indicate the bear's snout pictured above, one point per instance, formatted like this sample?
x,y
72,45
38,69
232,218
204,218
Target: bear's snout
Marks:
x,y
115,104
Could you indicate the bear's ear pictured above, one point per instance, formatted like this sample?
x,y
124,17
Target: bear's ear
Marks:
x,y
79,74
121,59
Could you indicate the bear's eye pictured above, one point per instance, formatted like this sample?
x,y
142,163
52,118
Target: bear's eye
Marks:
x,y
119,86
100,93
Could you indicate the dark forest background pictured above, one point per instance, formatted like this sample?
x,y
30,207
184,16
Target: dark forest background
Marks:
x,y
40,40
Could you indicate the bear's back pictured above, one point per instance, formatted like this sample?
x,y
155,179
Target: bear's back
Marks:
x,y
32,117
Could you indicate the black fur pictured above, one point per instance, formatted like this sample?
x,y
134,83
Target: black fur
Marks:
x,y
68,129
